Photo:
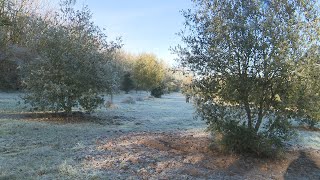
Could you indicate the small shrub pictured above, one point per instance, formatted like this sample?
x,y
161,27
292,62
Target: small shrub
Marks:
x,y
157,92
240,139
127,83
90,102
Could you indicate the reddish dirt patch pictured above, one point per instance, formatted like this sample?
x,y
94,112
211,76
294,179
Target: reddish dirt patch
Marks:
x,y
186,155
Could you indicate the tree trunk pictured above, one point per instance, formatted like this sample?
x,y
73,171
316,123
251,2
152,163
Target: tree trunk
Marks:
x,y
260,116
248,111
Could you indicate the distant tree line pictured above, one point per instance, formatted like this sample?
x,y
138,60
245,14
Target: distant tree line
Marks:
x,y
145,72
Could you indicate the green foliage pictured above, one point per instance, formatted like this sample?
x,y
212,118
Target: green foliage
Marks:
x,y
125,60
305,96
172,81
243,54
73,65
15,17
240,139
158,91
9,73
19,30
9,76
90,101
127,83
147,72
11,59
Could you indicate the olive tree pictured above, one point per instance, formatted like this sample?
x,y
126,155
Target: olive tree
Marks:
x,y
74,63
243,55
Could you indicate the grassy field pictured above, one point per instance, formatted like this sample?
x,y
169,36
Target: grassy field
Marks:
x,y
146,139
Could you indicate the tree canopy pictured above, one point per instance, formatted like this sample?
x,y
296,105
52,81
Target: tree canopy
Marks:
x,y
148,72
71,63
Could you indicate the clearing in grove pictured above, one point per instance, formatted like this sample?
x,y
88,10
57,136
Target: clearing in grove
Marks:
x,y
138,137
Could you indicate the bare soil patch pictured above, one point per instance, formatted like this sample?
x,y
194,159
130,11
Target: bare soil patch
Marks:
x,y
187,155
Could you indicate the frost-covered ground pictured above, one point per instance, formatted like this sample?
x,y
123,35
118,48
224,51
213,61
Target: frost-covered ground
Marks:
x,y
151,138
168,113
35,147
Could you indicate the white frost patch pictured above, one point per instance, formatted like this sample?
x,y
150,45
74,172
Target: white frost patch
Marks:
x,y
306,139
78,146
67,170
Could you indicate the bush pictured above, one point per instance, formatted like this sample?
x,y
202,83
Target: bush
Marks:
x,y
228,123
90,102
157,92
239,139
127,83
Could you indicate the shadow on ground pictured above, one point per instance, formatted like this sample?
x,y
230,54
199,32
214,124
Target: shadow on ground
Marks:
x,y
60,117
304,167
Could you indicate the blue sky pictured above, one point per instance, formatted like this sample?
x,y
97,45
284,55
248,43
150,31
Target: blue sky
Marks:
x,y
144,25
